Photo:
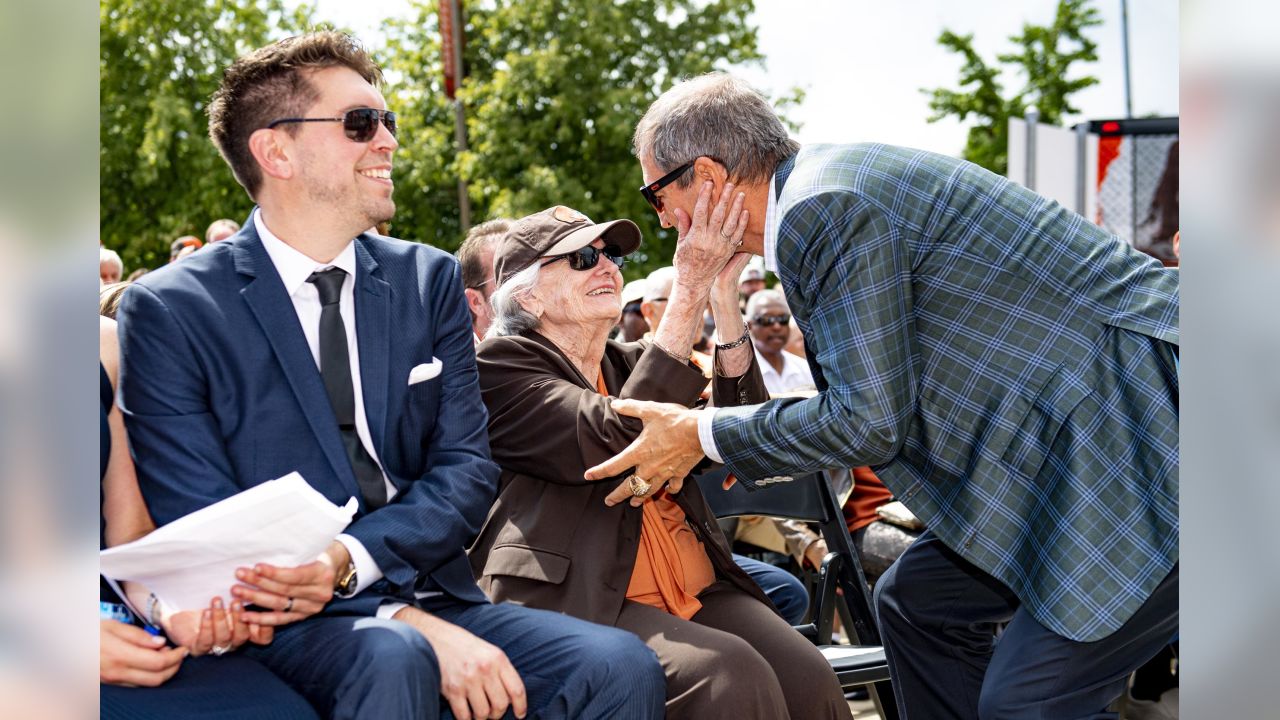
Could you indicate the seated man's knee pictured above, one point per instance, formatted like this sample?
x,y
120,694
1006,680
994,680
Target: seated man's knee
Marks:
x,y
615,649
394,651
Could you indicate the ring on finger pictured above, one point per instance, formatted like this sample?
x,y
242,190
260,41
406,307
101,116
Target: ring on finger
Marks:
x,y
288,606
218,650
639,486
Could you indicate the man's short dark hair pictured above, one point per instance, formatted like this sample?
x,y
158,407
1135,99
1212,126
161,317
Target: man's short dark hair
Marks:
x,y
471,253
272,83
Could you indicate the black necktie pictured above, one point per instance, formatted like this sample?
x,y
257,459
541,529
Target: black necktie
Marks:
x,y
335,369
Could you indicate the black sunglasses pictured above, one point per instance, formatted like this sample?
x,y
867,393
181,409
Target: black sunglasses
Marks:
x,y
360,124
585,258
650,191
767,320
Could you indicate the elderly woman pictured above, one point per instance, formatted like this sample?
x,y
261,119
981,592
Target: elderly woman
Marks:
x,y
624,552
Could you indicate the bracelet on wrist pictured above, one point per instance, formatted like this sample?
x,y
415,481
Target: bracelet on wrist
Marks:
x,y
746,335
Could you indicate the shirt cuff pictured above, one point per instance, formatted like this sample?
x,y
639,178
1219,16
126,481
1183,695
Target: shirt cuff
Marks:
x,y
708,441
388,609
367,570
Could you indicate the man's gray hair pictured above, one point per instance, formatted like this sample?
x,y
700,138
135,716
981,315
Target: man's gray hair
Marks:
x,y
107,255
509,316
719,116
765,297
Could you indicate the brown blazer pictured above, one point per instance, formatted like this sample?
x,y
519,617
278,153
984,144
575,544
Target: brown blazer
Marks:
x,y
550,542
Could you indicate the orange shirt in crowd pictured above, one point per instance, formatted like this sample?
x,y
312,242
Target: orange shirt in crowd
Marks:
x,y
868,494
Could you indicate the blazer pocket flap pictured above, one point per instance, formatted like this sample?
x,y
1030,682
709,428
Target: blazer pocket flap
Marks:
x,y
526,562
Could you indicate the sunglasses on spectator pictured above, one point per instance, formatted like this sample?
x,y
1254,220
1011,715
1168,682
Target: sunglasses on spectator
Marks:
x,y
585,258
767,320
650,191
360,124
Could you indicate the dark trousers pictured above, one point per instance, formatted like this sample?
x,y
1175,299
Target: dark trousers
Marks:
x,y
783,589
736,659
938,614
363,667
208,688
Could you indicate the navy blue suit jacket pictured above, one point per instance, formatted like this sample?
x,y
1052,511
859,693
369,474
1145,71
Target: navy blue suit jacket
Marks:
x,y
221,393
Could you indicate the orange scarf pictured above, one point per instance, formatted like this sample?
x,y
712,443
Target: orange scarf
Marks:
x,y
671,566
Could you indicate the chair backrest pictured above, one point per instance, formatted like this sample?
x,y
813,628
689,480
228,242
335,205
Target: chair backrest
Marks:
x,y
808,498
794,499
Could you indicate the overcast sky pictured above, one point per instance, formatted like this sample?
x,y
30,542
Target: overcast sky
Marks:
x,y
862,62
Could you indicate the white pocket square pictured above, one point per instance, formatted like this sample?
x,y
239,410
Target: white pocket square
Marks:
x,y
425,371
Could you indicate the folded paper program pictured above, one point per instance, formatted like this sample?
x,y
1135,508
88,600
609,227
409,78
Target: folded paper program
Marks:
x,y
191,560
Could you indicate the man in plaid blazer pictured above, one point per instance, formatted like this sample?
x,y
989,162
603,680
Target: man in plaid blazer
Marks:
x,y
1007,368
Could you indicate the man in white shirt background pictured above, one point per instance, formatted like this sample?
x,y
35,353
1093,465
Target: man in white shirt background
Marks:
x,y
769,322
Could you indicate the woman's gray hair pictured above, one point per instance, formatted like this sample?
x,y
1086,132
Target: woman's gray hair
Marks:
x,y
719,116
509,316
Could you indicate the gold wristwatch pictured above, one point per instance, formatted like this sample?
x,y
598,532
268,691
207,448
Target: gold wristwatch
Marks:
x,y
345,581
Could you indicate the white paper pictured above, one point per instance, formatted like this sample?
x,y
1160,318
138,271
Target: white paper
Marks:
x,y
188,562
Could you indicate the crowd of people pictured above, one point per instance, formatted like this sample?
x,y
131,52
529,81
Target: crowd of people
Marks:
x,y
521,429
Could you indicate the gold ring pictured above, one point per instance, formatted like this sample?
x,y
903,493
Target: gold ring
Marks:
x,y
638,486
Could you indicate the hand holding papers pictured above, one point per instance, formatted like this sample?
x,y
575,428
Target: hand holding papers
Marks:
x,y
282,522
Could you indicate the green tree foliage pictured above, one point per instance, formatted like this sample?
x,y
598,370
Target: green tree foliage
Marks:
x,y
160,61
1044,60
553,91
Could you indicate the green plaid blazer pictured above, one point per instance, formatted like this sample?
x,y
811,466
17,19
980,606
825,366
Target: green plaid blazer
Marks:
x,y
1006,367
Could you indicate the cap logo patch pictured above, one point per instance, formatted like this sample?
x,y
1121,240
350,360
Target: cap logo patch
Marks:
x,y
569,215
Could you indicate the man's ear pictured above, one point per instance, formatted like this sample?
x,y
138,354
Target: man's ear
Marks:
x,y
273,156
704,169
646,312
475,301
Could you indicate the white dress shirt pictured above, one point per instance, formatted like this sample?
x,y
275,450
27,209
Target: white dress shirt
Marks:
x,y
795,374
707,417
294,268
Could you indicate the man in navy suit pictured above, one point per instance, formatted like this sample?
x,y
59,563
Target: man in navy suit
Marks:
x,y
306,343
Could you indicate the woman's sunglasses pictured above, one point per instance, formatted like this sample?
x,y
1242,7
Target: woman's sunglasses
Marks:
x,y
360,125
585,258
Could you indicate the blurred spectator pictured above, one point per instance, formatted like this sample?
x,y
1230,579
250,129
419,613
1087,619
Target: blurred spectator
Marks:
x,y
751,282
220,229
633,323
476,256
769,321
183,246
110,266
109,298
136,274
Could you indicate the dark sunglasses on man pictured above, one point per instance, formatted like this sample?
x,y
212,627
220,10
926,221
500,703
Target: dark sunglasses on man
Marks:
x,y
585,258
767,320
650,191
360,124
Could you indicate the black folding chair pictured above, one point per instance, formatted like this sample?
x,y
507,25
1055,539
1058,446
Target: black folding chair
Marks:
x,y
811,499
